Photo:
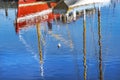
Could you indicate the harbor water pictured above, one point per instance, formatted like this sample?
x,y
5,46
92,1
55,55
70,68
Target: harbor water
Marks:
x,y
86,48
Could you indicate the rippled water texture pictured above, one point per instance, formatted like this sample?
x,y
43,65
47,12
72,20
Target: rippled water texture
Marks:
x,y
84,49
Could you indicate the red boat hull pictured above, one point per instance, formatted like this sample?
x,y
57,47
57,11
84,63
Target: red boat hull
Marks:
x,y
31,12
33,6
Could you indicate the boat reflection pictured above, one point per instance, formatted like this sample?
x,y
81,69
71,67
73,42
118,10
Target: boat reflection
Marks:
x,y
34,13
26,19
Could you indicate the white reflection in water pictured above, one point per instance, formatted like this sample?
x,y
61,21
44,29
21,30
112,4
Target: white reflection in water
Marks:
x,y
41,70
28,47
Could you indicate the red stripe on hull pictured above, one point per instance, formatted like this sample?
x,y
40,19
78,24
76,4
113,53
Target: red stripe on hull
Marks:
x,y
22,11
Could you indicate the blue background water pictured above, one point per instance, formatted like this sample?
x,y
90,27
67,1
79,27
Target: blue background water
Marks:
x,y
19,57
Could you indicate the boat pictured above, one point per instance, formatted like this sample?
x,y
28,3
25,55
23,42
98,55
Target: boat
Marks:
x,y
31,12
72,8
73,4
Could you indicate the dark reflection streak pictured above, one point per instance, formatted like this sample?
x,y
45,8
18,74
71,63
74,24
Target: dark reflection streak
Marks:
x,y
15,12
84,46
6,7
49,25
100,47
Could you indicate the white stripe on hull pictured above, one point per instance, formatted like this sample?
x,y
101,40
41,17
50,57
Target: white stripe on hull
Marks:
x,y
31,4
88,2
34,15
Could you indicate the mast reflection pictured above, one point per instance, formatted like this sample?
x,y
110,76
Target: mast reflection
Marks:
x,y
100,47
84,46
40,48
39,43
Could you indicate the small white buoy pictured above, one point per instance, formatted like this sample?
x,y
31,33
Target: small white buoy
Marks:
x,y
59,45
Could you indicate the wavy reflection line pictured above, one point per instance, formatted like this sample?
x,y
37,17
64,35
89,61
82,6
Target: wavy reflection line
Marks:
x,y
75,56
60,38
69,37
100,46
84,46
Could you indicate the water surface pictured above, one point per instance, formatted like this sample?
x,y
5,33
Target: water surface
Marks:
x,y
89,48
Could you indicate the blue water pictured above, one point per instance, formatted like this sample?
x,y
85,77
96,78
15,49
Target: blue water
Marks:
x,y
20,60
